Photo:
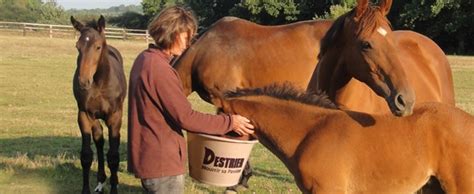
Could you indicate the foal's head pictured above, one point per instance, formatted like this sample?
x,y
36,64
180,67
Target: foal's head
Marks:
x,y
361,44
91,45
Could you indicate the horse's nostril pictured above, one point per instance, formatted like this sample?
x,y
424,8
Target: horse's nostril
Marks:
x,y
400,102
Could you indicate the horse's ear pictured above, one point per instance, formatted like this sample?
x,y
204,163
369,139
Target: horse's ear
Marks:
x,y
385,6
101,24
361,8
76,24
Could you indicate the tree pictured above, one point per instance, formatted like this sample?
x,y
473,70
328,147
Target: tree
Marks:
x,y
209,11
20,10
153,7
267,11
447,22
51,12
48,12
131,20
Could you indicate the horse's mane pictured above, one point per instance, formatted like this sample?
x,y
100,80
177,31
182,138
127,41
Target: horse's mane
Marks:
x,y
286,91
366,24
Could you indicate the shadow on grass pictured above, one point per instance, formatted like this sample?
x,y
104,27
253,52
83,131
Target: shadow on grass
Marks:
x,y
58,163
204,188
260,172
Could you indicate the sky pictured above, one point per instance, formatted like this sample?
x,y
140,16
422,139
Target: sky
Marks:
x,y
91,4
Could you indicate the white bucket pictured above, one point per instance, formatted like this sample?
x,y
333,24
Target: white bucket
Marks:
x,y
216,160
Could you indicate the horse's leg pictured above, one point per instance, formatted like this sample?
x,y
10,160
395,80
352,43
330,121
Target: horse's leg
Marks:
x,y
85,124
98,136
246,174
244,178
114,122
456,174
459,180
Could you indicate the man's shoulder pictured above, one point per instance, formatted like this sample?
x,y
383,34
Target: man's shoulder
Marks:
x,y
153,59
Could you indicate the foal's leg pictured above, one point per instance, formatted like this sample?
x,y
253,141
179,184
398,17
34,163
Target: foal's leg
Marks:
x,y
114,122
85,124
458,178
244,178
97,133
247,172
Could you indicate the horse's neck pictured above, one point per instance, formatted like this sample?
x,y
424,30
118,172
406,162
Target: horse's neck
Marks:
x,y
320,28
275,124
184,66
330,75
104,67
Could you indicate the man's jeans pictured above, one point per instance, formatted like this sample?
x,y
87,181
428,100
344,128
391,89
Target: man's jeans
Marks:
x,y
164,185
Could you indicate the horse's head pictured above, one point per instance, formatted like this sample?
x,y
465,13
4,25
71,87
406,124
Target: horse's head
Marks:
x,y
90,46
360,45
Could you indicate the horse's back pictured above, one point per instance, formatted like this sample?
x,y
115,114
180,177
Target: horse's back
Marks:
x,y
426,66
237,53
119,74
435,140
115,54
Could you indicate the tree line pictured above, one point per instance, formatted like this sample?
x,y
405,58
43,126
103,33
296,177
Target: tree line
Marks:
x,y
448,22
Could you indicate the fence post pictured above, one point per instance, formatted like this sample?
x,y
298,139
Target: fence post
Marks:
x,y
24,29
146,37
124,32
50,31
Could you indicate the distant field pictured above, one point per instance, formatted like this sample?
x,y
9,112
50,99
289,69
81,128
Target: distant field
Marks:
x,y
40,139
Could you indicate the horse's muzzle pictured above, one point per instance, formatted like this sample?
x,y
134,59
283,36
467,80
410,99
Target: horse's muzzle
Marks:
x,y
399,105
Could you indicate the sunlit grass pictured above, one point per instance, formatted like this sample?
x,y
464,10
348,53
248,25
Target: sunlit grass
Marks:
x,y
39,136
40,139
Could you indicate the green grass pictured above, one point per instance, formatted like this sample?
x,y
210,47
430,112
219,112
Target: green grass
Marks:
x,y
39,136
40,139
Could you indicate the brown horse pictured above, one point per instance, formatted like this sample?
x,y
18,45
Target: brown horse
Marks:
x,y
334,151
99,88
361,45
235,53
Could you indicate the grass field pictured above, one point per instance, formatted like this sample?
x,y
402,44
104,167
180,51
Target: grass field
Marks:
x,y
40,139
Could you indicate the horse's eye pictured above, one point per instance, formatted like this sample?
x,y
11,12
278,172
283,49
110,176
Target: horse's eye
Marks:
x,y
98,47
365,46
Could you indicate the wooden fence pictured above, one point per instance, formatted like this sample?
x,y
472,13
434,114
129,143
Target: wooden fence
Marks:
x,y
65,31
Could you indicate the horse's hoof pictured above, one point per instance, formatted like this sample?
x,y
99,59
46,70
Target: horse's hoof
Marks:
x,y
230,191
100,187
114,190
235,189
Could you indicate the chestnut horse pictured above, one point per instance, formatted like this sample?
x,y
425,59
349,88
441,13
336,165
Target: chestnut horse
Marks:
x,y
361,45
235,53
335,151
99,88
